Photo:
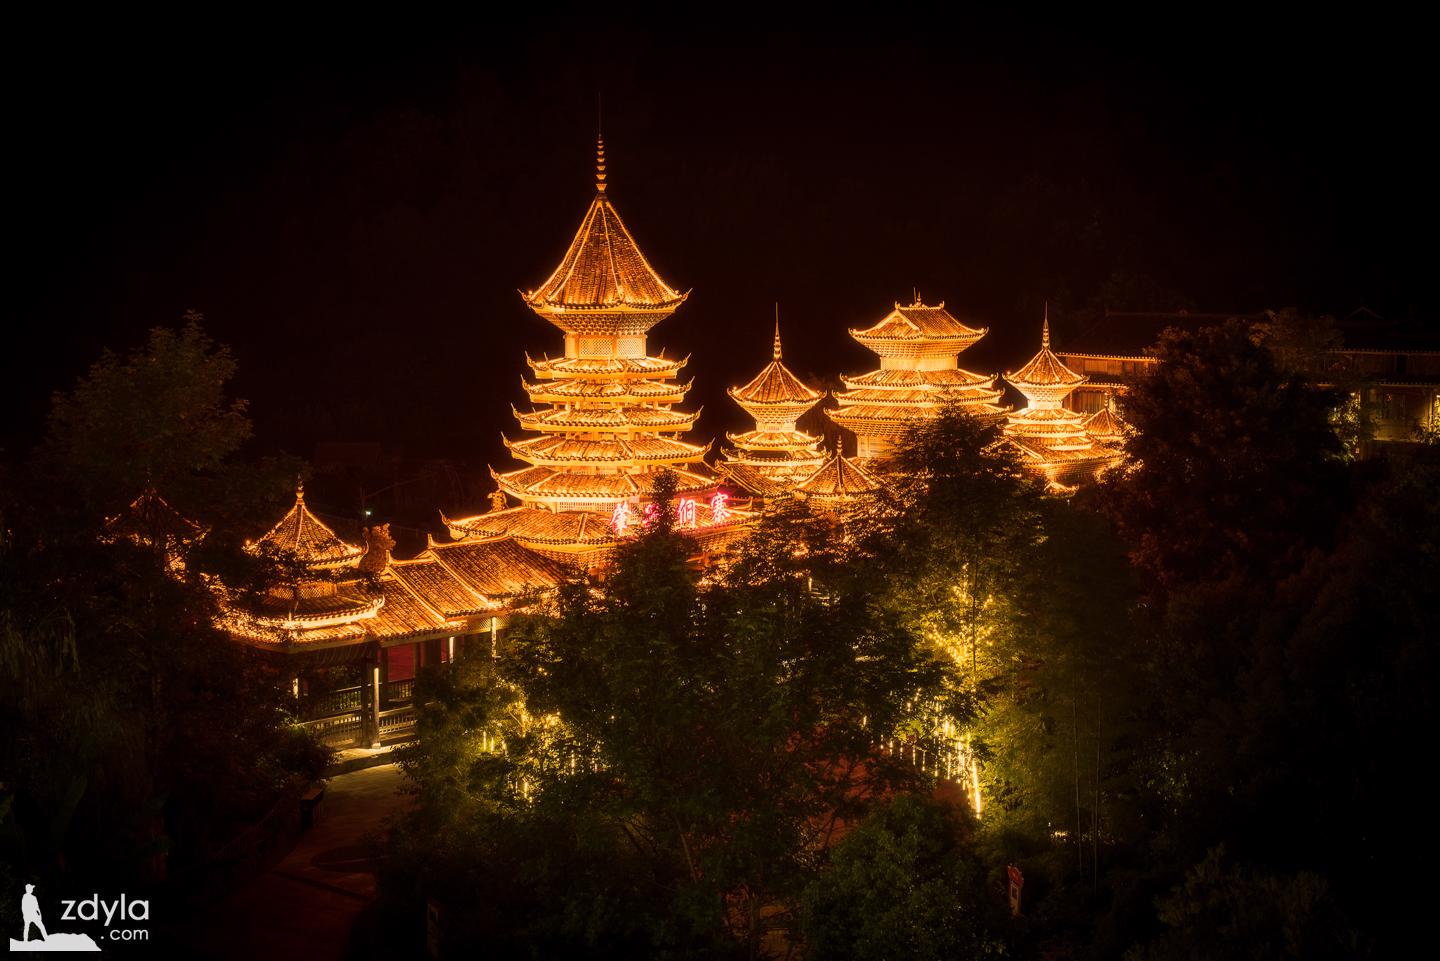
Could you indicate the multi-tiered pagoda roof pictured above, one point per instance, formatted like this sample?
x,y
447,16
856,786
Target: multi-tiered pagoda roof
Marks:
x,y
603,421
1105,425
919,348
1054,441
321,588
771,459
838,484
332,593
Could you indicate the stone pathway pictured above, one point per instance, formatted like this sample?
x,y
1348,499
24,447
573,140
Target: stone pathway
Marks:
x,y
305,906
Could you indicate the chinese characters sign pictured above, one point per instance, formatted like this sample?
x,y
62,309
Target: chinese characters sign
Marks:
x,y
625,518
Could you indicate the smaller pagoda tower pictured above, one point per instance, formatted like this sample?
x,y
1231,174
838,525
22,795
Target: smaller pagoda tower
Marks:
x,y
771,459
1053,440
919,348
1105,425
325,596
838,486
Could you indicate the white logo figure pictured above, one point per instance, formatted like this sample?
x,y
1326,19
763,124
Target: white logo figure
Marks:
x,y
30,908
59,941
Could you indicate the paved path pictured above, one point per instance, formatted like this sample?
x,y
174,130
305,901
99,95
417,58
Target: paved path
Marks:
x,y
305,906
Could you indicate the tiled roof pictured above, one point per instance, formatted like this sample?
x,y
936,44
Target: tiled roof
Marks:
x,y
1054,441
557,450
630,390
604,366
530,524
839,477
759,481
305,537
775,384
776,440
498,568
1104,425
440,588
892,418
947,377
404,613
265,634
919,322
1045,369
604,269
542,482
607,418
347,601
150,517
572,531
929,396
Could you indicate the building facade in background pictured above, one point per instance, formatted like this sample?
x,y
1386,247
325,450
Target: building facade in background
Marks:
x,y
1393,368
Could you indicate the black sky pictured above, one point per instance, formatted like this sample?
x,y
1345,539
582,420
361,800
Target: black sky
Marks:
x,y
355,219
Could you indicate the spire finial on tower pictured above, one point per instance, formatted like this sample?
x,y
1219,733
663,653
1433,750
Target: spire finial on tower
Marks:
x,y
1045,329
599,143
777,330
299,490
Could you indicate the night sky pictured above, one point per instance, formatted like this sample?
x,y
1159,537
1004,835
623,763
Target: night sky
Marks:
x,y
355,221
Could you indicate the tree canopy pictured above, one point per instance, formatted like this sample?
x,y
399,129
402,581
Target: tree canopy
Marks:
x,y
711,735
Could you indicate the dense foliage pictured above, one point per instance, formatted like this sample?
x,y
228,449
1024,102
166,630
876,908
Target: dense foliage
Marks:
x,y
687,747
1186,691
139,738
1184,703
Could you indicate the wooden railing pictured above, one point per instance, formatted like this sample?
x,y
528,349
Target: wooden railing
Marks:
x,y
396,724
398,692
343,701
339,730
946,764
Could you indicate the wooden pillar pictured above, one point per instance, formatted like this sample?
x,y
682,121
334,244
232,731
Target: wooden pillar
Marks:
x,y
494,644
370,701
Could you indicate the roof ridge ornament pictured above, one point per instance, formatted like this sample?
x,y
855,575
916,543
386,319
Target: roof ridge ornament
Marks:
x,y
777,330
1045,329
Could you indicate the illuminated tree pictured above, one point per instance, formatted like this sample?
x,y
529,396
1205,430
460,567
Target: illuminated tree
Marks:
x,y
1031,596
903,886
706,738
964,518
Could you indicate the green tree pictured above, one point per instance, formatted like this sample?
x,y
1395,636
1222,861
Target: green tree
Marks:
x,y
1063,720
1234,468
705,739
1309,346
961,525
1034,597
902,886
138,733
1224,911
155,417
